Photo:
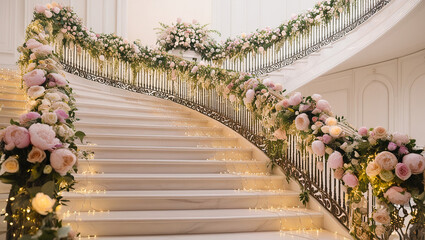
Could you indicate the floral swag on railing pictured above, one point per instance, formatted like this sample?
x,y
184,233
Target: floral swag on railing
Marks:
x,y
39,153
389,163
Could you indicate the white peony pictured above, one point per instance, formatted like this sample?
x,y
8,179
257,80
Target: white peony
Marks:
x,y
35,91
49,118
42,203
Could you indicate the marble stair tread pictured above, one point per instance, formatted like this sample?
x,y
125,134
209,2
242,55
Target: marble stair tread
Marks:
x,y
123,117
158,176
162,148
176,137
272,235
122,99
126,125
133,109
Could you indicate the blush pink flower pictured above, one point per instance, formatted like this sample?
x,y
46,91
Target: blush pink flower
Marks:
x,y
402,171
415,162
338,173
392,146
400,139
58,79
302,122
32,43
316,97
43,51
403,150
335,160
324,106
62,160
26,117
397,195
194,69
34,78
40,8
318,148
386,160
43,136
326,139
295,99
285,103
250,94
350,180
61,114
280,134
16,137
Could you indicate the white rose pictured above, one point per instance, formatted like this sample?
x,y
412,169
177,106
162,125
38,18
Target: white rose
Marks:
x,y
36,155
61,105
10,165
64,131
53,97
325,129
42,203
44,107
47,169
49,118
35,91
31,67
43,51
335,131
331,121
48,14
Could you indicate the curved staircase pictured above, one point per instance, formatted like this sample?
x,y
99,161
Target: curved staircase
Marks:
x,y
162,171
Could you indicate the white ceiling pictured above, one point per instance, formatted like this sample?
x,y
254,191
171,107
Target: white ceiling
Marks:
x,y
407,37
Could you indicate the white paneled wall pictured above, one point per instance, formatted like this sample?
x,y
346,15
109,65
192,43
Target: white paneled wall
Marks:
x,y
389,94
108,16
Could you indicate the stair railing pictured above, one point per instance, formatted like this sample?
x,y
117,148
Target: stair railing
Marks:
x,y
283,53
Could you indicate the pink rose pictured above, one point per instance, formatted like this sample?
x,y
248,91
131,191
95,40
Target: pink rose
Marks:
x,y
43,136
261,50
62,115
323,105
280,134
392,146
32,43
285,103
62,160
403,150
194,69
316,97
16,137
397,195
326,139
302,122
380,133
58,79
304,107
295,99
40,8
400,139
402,171
350,180
386,160
318,148
415,162
34,78
278,87
26,117
382,216
250,94
335,160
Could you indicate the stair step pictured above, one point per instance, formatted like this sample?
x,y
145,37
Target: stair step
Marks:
x,y
162,140
316,234
180,200
139,118
119,109
147,129
13,103
184,153
10,83
16,111
171,166
118,223
5,117
130,181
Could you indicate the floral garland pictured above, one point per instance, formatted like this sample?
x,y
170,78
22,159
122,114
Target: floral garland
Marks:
x,y
39,153
390,163
188,36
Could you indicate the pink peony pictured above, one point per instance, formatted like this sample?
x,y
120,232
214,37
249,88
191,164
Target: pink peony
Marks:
x,y
280,134
400,139
62,160
380,133
382,216
386,160
318,148
278,87
335,160
316,97
40,8
35,91
32,43
302,122
43,136
304,107
34,78
397,195
250,94
16,137
350,180
403,150
58,79
62,115
43,51
26,117
295,99
194,69
285,103
402,171
323,105
392,146
415,162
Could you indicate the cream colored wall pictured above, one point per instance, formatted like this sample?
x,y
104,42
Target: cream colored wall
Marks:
x,y
145,15
389,94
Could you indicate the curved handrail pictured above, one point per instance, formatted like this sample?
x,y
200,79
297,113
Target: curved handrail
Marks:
x,y
279,50
283,128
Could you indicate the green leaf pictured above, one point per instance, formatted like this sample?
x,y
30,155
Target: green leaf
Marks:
x,y
80,135
48,188
33,191
13,122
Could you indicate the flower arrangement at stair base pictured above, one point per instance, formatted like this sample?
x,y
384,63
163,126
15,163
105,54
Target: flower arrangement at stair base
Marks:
x,y
186,36
39,153
357,159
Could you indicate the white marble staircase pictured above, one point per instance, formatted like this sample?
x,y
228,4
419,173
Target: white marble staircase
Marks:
x,y
162,171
